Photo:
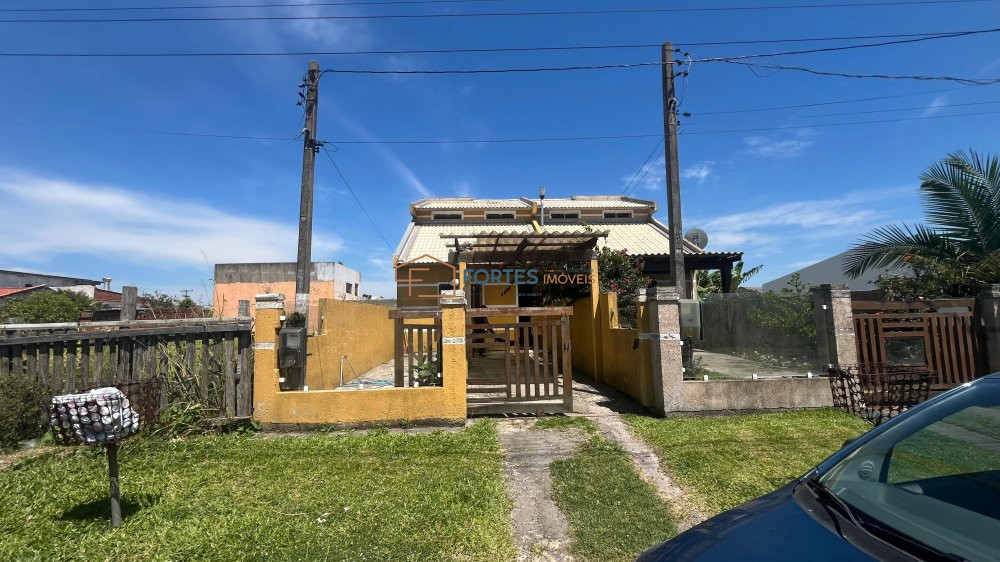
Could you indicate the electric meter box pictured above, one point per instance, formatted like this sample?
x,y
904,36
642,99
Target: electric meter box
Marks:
x,y
690,310
292,347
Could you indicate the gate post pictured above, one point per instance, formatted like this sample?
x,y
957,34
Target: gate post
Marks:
x,y
663,330
989,318
454,360
836,342
270,307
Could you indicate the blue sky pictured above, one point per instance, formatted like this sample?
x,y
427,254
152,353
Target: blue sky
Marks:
x,y
80,196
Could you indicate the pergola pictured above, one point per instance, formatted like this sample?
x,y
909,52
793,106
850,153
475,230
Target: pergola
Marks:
x,y
723,261
511,247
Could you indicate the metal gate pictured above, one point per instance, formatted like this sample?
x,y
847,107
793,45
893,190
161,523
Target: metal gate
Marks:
x,y
944,339
519,360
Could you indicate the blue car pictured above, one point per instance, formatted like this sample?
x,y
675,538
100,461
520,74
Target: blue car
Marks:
x,y
922,486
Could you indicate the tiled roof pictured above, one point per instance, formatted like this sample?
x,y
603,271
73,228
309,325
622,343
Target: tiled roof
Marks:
x,y
100,295
644,238
575,202
470,203
610,202
7,291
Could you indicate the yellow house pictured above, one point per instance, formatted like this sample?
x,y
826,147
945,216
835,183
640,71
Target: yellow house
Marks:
x,y
446,236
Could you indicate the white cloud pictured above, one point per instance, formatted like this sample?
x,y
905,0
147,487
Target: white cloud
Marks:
x,y
698,172
769,147
935,106
398,166
50,217
770,228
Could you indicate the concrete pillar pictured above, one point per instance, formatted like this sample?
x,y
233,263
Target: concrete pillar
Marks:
x,y
454,361
663,330
989,318
269,308
836,342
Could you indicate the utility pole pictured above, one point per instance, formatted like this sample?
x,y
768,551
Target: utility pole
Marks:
x,y
673,174
303,266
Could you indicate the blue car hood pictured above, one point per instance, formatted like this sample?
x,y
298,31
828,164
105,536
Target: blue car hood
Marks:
x,y
770,528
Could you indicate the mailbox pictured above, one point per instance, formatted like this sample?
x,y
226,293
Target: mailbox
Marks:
x,y
292,347
690,319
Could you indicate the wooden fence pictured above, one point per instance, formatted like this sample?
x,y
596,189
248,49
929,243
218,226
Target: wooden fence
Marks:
x,y
940,335
202,360
417,342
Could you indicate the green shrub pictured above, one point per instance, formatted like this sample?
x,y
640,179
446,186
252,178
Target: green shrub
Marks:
x,y
21,413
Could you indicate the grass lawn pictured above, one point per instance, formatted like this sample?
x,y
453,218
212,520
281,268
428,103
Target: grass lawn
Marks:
x,y
613,513
373,496
724,461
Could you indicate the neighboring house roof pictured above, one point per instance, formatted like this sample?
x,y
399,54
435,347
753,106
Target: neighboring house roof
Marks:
x,y
830,270
575,202
644,238
100,295
20,291
50,280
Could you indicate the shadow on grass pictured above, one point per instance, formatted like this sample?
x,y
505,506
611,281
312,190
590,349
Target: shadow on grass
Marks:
x,y
100,508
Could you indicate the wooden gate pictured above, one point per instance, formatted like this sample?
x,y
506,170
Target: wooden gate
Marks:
x,y
519,360
943,338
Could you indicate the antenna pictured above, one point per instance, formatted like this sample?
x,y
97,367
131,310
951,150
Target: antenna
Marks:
x,y
697,237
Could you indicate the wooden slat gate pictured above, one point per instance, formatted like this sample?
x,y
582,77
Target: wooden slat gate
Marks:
x,y
946,342
520,366
206,361
417,353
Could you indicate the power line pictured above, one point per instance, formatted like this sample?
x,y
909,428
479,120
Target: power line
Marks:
x,y
624,11
841,124
239,6
360,204
780,67
656,148
946,35
431,51
823,103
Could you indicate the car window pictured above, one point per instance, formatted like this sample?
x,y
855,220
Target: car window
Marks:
x,y
966,442
932,476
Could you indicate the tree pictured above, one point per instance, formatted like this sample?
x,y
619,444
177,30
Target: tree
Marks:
x,y
711,282
620,272
44,306
960,240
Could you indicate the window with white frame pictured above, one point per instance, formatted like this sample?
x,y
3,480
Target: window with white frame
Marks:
x,y
564,215
617,214
499,216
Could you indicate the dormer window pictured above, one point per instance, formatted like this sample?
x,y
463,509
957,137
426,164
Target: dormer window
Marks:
x,y
575,215
617,214
449,216
499,216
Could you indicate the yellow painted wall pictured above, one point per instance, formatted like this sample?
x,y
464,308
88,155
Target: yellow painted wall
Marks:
x,y
361,330
358,407
612,355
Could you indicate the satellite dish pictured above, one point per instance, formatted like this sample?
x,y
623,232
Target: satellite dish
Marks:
x,y
697,237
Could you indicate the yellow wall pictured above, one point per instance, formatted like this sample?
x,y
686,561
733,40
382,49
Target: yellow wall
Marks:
x,y
359,329
612,355
358,407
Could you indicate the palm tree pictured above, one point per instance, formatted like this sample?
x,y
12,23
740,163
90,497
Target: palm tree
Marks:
x,y
712,282
961,199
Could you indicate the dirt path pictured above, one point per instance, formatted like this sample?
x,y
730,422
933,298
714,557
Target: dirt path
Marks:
x,y
11,458
604,407
541,532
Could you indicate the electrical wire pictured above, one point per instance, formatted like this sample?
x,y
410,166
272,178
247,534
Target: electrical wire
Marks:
x,y
360,204
642,178
443,15
473,49
240,6
779,67
656,148
824,103
841,124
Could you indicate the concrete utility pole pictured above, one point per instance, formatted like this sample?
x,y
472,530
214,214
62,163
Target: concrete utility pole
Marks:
x,y
673,174
303,266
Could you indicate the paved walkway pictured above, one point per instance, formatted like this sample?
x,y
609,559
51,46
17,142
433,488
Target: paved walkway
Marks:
x,y
738,367
540,528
